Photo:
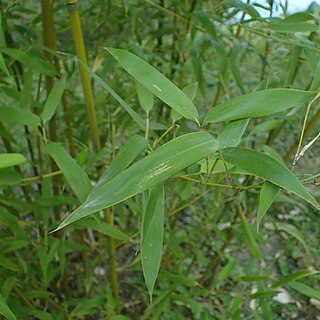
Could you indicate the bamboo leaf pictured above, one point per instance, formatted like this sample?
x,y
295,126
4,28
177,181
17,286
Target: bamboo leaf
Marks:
x,y
11,159
19,116
306,290
226,270
152,236
207,24
190,91
167,160
245,7
263,294
293,231
266,167
292,277
256,277
74,174
267,125
234,67
5,310
258,104
53,100
291,27
104,228
232,133
156,83
250,237
267,196
145,97
128,152
135,116
33,62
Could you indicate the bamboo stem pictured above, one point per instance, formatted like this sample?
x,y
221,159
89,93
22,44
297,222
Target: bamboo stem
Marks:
x,y
47,26
87,90
85,78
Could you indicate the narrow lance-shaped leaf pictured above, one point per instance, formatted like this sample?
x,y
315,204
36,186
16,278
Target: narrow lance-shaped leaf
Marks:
x,y
250,237
190,91
256,277
232,133
145,97
128,152
164,162
53,100
103,227
135,116
264,166
74,174
289,27
152,236
5,310
19,116
306,290
267,196
295,232
156,83
258,104
11,159
294,276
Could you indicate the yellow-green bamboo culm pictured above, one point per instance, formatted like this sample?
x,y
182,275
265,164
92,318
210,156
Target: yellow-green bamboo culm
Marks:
x,y
85,78
87,90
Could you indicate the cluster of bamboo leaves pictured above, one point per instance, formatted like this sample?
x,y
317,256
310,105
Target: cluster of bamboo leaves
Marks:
x,y
135,160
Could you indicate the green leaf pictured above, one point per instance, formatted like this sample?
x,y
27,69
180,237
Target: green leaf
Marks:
x,y
306,290
232,133
152,236
11,159
12,222
250,237
234,67
33,62
267,125
256,277
128,152
74,174
226,270
9,177
263,294
245,7
207,23
298,17
316,78
135,116
266,167
190,91
53,100
235,305
5,310
104,228
167,160
293,231
19,116
292,277
289,27
267,196
145,97
156,83
258,104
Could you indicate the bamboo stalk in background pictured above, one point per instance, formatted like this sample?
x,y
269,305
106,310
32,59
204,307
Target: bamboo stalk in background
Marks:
x,y
85,78
87,90
50,41
47,26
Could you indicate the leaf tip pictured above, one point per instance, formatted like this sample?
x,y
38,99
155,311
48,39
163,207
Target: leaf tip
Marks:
x,y
61,226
